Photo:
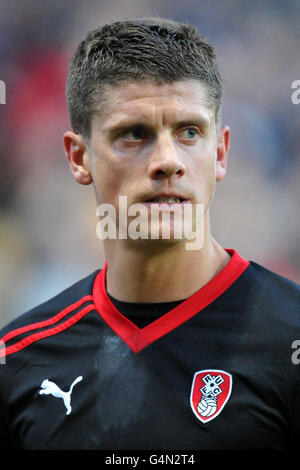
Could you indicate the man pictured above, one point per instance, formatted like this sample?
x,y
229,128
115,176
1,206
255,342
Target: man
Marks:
x,y
166,347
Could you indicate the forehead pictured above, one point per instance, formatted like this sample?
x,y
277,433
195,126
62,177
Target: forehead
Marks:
x,y
149,101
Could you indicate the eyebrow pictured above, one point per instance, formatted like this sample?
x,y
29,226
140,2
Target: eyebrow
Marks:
x,y
200,120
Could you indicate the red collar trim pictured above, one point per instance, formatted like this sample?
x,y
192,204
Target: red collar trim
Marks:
x,y
137,338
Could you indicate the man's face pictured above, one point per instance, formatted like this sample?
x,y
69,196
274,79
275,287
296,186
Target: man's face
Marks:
x,y
151,141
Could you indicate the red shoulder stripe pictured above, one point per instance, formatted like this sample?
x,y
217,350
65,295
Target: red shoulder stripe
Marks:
x,y
44,334
49,321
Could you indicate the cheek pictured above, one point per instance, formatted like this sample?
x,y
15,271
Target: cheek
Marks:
x,y
204,169
111,179
106,183
203,174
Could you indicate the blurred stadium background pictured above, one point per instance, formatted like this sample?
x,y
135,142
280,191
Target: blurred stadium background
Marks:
x,y
48,222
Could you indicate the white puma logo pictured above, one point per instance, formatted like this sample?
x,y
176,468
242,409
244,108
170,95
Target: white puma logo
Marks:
x,y
50,388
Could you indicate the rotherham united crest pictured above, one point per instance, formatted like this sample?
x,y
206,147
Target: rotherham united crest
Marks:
x,y
210,392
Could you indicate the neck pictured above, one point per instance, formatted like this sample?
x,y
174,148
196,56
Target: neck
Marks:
x,y
154,274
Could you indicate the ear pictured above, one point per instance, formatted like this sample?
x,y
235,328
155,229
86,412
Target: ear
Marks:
x,y
76,151
223,145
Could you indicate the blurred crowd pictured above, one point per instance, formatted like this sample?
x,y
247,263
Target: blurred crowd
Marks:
x,y
48,222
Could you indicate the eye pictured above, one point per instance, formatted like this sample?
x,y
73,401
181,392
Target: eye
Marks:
x,y
190,133
135,134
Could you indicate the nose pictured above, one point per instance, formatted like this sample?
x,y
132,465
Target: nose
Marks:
x,y
165,161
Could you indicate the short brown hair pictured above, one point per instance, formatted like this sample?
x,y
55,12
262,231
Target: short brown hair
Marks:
x,y
155,49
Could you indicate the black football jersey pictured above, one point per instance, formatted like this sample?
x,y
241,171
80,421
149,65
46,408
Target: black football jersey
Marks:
x,y
216,371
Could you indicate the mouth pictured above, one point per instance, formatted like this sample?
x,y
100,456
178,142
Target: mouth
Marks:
x,y
168,199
